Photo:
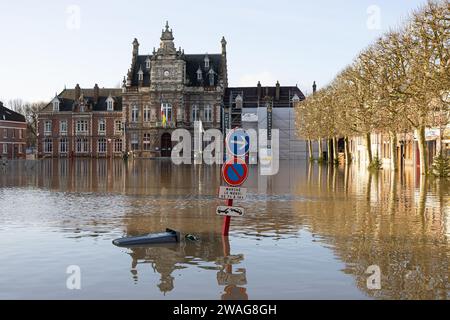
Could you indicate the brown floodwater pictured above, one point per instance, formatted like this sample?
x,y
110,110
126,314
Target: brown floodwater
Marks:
x,y
309,232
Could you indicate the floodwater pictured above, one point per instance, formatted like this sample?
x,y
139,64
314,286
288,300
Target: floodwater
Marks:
x,y
311,232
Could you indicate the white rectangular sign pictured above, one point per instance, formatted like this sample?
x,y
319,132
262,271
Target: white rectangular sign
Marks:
x,y
230,211
232,193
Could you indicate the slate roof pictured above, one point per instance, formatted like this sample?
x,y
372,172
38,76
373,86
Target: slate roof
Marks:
x,y
9,115
193,62
67,100
251,100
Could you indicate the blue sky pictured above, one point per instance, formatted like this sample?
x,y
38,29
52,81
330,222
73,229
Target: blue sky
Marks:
x,y
46,45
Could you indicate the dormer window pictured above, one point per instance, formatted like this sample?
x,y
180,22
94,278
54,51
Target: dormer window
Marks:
x,y
211,77
55,106
295,99
110,103
147,63
199,74
239,102
206,62
55,103
141,75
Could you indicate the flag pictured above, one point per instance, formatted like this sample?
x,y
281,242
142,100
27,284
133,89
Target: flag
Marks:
x,y
163,116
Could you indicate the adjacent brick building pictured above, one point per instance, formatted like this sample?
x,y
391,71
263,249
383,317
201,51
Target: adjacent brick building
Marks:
x,y
82,123
13,129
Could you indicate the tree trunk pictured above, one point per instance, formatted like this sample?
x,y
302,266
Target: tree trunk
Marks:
x,y
393,144
348,156
320,150
335,150
329,150
310,150
423,152
369,148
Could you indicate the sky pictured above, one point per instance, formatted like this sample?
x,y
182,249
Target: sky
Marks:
x,y
48,45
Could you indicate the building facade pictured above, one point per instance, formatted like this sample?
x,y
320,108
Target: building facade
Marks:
x,y
171,90
82,123
13,130
162,92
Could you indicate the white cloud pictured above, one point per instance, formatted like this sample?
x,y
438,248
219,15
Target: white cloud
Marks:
x,y
251,80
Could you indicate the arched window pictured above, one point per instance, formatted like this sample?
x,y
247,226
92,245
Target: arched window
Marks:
x,y
134,114
211,77
239,102
194,115
199,74
208,113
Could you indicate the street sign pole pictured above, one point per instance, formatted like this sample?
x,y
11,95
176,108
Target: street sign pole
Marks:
x,y
227,221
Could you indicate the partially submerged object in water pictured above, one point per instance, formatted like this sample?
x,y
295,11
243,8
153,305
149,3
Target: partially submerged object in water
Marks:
x,y
170,236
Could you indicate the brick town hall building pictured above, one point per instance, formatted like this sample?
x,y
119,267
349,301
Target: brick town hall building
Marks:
x,y
162,92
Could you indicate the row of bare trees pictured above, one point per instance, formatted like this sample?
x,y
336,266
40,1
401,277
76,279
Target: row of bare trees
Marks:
x,y
30,110
400,83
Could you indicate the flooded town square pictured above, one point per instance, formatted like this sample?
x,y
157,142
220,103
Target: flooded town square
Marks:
x,y
311,231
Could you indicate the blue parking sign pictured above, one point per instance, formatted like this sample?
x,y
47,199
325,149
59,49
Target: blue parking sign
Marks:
x,y
238,142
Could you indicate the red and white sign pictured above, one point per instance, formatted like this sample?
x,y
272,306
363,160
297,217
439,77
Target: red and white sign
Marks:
x,y
235,172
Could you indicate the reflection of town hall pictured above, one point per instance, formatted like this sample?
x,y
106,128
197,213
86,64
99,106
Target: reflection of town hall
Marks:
x,y
162,91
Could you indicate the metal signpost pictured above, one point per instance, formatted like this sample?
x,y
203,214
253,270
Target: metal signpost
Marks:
x,y
234,173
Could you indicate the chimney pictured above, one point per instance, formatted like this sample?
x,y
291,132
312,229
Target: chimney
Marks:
x,y
314,87
96,93
77,92
259,90
277,91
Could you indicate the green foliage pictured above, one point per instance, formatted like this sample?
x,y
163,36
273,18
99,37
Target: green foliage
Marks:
x,y
376,164
441,166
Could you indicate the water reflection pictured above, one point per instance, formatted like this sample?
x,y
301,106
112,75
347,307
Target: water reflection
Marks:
x,y
392,220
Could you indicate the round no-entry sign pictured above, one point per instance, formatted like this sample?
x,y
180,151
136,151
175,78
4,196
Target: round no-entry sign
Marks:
x,y
235,172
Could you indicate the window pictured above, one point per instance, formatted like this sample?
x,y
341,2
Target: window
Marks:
x,y
48,145
5,148
20,148
135,114
199,74
20,134
211,77
166,110
194,113
82,108
208,113
141,75
63,145
295,99
82,126
134,141
110,104
63,126
206,62
146,141
102,126
147,63
118,126
101,145
82,145
118,145
146,114
239,102
56,106
13,133
5,133
48,127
